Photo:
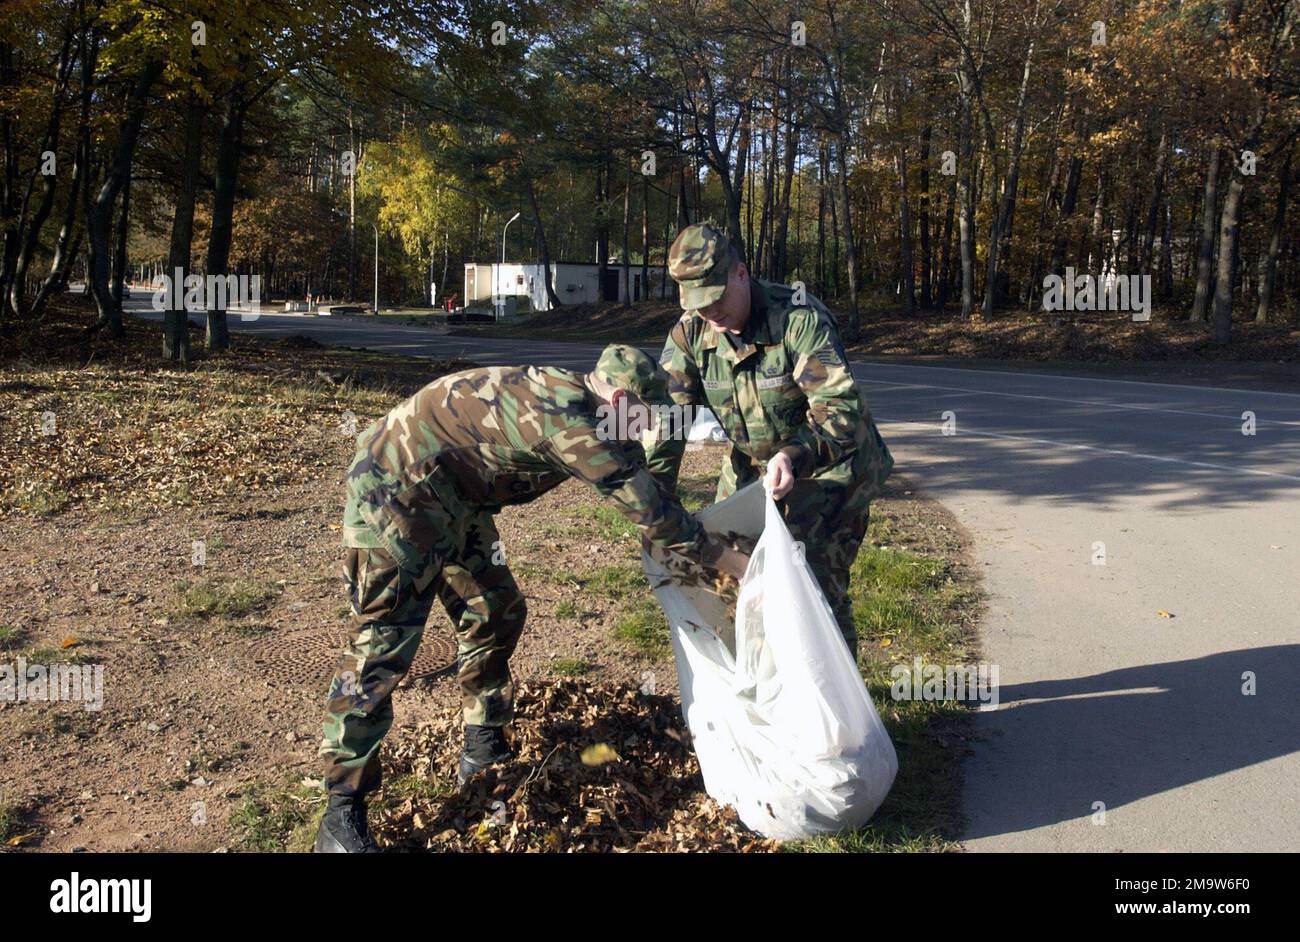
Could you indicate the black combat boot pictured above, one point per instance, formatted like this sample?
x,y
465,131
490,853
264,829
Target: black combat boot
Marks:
x,y
484,746
344,830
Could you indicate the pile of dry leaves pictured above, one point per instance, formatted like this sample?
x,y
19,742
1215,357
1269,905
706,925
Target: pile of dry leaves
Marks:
x,y
598,768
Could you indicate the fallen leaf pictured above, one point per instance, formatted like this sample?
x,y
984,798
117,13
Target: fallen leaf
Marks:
x,y
599,754
69,643
1163,614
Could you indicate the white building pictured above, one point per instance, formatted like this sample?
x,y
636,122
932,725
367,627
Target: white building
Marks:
x,y
574,282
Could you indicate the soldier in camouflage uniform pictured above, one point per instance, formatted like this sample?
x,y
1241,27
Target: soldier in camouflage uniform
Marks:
x,y
421,495
767,359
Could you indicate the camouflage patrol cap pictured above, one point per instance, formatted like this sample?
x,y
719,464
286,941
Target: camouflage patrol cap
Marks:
x,y
629,369
700,261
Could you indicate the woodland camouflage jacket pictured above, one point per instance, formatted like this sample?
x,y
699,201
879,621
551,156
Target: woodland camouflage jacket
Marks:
x,y
484,438
782,384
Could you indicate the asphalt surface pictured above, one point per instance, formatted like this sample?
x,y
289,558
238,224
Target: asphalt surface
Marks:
x,y
1099,507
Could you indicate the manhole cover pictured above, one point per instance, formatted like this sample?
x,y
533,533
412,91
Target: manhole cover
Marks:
x,y
308,658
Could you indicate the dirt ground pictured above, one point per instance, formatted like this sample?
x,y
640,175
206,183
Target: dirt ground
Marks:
x,y
195,711
215,674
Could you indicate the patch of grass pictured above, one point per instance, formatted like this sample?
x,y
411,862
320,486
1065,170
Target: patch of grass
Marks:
x,y
610,524
570,667
616,582
906,598
50,654
39,500
696,492
643,626
10,817
10,636
566,609
209,597
414,787
564,530
277,817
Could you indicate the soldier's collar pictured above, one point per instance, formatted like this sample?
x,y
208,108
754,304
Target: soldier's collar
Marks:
x,y
758,329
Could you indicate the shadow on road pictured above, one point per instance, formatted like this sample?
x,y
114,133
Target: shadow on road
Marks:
x,y
1059,475
1124,735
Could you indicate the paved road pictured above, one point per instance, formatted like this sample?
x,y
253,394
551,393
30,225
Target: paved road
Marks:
x,y
1119,729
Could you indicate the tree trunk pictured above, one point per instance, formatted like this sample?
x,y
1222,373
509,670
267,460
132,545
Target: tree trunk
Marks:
x,y
225,173
780,240
1269,276
965,196
821,222
49,143
945,243
627,219
176,321
1001,223
846,224
100,211
1229,248
352,211
905,234
543,246
927,275
1146,259
645,237
602,227
120,261
57,275
1205,251
1165,279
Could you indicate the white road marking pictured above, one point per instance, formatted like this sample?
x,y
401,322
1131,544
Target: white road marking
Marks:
x,y
1078,402
928,426
1058,376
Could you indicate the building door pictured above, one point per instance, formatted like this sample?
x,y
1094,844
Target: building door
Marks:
x,y
609,290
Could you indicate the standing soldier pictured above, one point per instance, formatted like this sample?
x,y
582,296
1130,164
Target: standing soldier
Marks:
x,y
422,491
767,359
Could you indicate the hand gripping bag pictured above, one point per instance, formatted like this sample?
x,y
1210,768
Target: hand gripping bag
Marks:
x,y
782,723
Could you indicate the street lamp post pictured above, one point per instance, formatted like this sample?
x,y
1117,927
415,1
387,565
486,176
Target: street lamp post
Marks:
x,y
375,226
501,298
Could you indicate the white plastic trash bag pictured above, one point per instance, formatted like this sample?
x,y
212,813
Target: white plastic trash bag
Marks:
x,y
706,428
782,723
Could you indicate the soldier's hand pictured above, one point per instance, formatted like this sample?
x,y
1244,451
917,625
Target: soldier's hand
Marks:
x,y
780,475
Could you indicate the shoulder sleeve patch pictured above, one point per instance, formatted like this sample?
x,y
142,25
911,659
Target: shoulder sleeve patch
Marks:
x,y
829,356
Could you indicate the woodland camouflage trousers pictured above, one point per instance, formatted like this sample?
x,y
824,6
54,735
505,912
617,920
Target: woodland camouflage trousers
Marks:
x,y
390,601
